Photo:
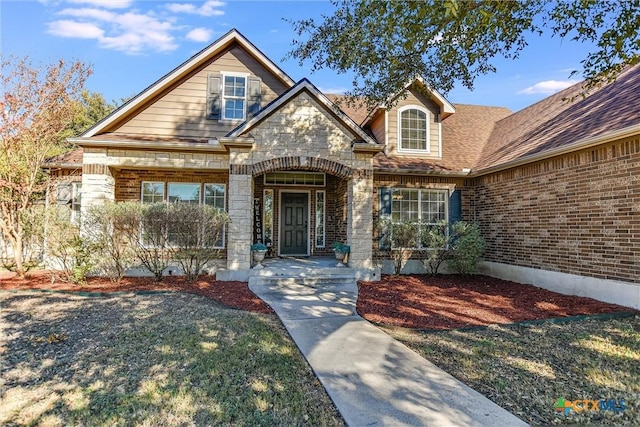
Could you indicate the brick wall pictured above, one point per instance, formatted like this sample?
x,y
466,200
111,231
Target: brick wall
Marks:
x,y
578,213
332,220
129,181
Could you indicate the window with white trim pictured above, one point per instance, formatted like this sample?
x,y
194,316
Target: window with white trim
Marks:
x,y
234,95
320,223
413,129
186,192
424,207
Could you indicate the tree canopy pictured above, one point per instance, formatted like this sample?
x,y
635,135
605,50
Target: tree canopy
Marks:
x,y
37,105
387,43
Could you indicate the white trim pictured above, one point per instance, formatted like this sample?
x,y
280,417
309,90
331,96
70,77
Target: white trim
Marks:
x,y
399,148
280,193
324,220
164,189
245,76
386,131
324,179
440,138
183,70
612,291
224,209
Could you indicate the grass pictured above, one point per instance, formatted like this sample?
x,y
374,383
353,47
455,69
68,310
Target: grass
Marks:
x,y
150,360
526,369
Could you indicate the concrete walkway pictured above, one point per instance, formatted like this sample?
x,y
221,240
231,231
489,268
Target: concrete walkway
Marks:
x,y
372,378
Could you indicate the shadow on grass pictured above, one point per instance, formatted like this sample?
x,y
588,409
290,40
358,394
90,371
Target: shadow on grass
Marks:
x,y
153,360
525,369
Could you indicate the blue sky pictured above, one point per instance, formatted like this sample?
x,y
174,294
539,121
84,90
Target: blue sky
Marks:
x,y
132,43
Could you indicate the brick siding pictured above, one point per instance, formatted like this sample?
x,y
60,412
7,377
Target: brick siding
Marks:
x,y
578,213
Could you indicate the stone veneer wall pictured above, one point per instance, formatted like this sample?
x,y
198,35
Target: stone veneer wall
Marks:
x,y
577,214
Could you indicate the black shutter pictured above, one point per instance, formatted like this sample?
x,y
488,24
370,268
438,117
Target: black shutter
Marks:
x,y
254,96
214,99
384,212
455,207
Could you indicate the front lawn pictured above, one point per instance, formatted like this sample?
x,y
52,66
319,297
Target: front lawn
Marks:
x,y
526,369
153,360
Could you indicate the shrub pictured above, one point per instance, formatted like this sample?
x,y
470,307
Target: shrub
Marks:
x,y
108,227
400,239
73,254
460,244
195,232
436,239
468,248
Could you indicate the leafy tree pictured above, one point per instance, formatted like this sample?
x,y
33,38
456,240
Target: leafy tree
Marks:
x,y
387,43
91,107
37,105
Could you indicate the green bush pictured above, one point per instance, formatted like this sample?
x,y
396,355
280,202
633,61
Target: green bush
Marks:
x,y
399,239
467,248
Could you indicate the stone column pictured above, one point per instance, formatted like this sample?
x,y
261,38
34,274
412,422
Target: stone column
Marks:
x,y
98,184
240,207
360,219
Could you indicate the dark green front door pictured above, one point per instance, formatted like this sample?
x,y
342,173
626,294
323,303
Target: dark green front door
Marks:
x,y
295,221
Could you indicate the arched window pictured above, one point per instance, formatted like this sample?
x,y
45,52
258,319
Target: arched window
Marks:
x,y
413,134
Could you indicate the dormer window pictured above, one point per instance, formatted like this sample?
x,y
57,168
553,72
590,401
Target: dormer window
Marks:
x,y
233,97
413,130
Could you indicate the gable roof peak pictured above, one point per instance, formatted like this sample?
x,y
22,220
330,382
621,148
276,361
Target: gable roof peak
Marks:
x,y
197,60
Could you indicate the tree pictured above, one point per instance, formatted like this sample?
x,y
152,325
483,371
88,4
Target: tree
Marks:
x,y
37,105
388,43
91,107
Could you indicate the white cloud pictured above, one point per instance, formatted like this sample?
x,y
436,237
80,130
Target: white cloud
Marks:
x,y
547,87
209,8
333,90
128,32
81,30
108,4
199,35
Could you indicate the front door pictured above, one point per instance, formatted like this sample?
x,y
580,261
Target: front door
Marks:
x,y
295,221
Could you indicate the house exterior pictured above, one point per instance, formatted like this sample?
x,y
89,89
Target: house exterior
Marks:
x,y
555,187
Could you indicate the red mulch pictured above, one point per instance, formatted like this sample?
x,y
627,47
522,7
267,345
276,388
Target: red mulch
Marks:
x,y
231,294
454,301
423,302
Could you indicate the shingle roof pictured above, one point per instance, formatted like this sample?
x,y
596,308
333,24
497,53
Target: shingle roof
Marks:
x,y
70,158
464,135
555,122
358,111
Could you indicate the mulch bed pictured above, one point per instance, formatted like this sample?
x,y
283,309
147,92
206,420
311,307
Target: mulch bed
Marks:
x,y
232,294
416,301
454,301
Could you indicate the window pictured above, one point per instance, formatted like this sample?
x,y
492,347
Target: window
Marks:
x,y
186,192
183,193
234,95
295,178
320,214
413,132
76,196
152,192
424,207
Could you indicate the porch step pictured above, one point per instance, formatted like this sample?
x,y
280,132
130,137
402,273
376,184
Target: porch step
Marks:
x,y
310,277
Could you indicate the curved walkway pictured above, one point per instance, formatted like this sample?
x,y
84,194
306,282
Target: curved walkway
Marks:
x,y
373,379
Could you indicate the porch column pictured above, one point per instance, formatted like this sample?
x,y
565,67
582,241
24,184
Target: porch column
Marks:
x,y
98,184
360,219
240,205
